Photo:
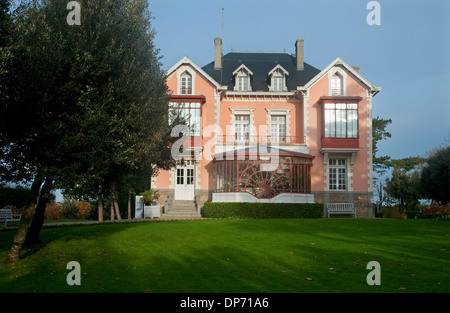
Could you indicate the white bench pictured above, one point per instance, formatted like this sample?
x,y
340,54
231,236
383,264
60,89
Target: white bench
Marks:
x,y
6,215
341,208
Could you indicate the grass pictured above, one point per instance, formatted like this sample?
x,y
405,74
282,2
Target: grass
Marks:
x,y
232,255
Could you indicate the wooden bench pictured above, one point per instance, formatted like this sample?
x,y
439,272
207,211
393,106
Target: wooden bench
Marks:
x,y
341,208
6,216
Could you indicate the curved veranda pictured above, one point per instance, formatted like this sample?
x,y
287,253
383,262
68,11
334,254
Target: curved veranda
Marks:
x,y
259,177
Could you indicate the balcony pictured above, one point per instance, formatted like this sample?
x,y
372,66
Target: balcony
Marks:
x,y
247,139
340,143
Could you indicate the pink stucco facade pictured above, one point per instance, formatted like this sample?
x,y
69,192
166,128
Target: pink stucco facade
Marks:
x,y
324,122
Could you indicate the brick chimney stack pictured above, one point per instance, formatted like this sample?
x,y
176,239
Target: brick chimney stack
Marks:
x,y
217,53
299,54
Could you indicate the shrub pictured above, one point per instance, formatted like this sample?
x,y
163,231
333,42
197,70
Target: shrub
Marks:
x,y
262,210
69,208
74,209
53,211
392,212
441,212
84,209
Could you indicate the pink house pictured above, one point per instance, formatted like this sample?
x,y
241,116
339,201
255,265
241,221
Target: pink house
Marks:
x,y
269,127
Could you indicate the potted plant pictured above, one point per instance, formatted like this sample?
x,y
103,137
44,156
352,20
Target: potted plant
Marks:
x,y
151,208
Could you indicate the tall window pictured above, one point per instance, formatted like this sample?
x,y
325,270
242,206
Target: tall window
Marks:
x,y
242,78
278,76
337,85
242,127
341,120
242,83
191,113
277,82
186,84
278,128
337,174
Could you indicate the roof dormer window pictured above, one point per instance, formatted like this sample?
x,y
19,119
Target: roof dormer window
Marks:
x,y
242,76
336,85
278,76
186,84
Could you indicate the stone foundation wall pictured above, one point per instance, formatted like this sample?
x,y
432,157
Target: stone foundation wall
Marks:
x,y
361,201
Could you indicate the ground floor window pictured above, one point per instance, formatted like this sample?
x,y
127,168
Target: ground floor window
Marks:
x,y
337,174
264,179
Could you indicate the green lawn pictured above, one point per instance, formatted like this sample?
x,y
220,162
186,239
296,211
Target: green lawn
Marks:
x,y
231,255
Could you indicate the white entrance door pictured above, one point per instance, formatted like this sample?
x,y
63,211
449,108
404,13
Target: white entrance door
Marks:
x,y
185,183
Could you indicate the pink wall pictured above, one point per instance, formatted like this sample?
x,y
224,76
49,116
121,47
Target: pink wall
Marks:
x,y
361,176
360,168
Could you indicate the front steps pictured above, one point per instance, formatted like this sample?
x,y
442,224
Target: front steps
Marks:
x,y
181,209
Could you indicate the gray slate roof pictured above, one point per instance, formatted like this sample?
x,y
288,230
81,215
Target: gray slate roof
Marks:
x,y
260,63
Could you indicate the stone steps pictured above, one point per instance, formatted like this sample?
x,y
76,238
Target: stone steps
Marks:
x,y
182,209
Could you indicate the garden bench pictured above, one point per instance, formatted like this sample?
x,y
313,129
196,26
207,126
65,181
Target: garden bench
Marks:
x,y
341,208
6,215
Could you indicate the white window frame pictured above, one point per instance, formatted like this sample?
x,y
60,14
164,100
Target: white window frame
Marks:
x,y
277,112
278,128
241,111
333,74
338,174
242,76
278,74
184,71
242,127
186,84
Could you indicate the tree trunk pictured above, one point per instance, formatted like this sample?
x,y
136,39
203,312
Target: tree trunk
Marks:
x,y
129,205
38,219
20,236
112,212
100,203
116,205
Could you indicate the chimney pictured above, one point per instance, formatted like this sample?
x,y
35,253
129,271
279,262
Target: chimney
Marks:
x,y
217,53
299,54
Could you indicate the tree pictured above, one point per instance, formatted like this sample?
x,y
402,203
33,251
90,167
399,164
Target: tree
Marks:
x,y
379,132
435,180
403,186
94,95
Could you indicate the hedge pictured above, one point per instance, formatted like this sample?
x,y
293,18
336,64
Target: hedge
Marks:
x,y
262,210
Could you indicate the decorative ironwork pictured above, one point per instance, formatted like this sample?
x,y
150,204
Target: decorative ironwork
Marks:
x,y
263,179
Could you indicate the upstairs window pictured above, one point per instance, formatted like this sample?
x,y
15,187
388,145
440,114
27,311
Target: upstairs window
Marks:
x,y
278,76
242,83
242,127
186,84
277,83
337,85
191,113
341,120
242,76
278,128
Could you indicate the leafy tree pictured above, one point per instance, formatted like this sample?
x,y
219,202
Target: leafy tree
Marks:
x,y
435,180
379,132
84,105
403,187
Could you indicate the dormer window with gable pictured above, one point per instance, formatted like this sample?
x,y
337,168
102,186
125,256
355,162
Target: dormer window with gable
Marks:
x,y
278,77
336,85
242,76
186,84
337,82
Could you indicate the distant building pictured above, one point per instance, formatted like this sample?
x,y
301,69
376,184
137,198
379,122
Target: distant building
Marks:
x,y
269,127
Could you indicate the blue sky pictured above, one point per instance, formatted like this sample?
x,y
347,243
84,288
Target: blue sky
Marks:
x,y
408,55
